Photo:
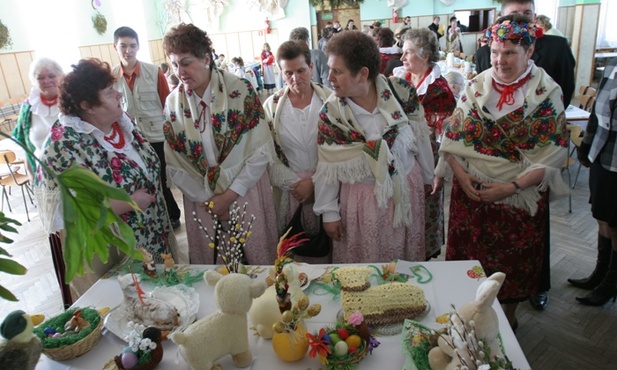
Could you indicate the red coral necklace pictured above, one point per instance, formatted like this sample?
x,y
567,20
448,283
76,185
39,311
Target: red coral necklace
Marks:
x,y
49,102
116,138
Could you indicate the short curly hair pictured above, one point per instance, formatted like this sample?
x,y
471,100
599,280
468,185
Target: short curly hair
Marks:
x,y
83,84
357,50
426,42
187,38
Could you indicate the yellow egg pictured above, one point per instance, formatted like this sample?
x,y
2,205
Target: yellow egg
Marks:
x,y
353,341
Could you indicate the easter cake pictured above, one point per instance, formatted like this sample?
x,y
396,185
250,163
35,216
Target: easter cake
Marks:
x,y
389,303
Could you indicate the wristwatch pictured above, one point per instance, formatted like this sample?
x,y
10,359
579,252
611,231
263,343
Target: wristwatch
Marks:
x,y
518,188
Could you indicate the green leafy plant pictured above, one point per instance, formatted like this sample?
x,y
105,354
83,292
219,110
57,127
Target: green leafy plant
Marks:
x,y
5,36
90,224
7,265
99,22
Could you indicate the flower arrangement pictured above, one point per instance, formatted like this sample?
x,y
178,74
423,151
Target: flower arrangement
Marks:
x,y
343,346
283,249
516,32
229,239
144,350
5,36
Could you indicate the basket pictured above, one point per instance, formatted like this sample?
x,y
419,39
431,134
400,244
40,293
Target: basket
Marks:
x,y
76,349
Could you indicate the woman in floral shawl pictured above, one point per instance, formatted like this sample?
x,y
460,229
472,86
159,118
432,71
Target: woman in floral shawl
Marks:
x,y
420,69
293,113
94,132
218,147
506,143
374,158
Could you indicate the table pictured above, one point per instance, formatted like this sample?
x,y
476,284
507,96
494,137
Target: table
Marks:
x,y
577,116
449,284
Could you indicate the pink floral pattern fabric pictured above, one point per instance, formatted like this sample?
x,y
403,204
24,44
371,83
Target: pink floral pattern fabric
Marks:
x,y
68,148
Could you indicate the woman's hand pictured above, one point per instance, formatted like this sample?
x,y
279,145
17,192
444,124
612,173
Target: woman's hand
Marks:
x,y
437,184
495,192
222,202
143,198
303,190
334,230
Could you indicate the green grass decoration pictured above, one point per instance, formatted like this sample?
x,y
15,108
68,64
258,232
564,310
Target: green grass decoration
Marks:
x,y
57,323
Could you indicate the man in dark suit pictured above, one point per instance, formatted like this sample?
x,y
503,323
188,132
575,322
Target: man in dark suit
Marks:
x,y
435,27
553,54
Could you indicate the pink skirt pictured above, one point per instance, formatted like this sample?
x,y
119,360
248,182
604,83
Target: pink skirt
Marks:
x,y
260,248
368,233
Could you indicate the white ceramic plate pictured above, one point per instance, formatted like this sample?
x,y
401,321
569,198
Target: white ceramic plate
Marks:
x,y
185,299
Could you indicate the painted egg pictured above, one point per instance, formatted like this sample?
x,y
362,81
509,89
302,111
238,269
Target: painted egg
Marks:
x,y
49,330
341,348
56,335
127,349
129,360
326,338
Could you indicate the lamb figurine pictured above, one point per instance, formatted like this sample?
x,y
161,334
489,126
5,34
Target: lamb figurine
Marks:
x,y
486,327
265,310
226,330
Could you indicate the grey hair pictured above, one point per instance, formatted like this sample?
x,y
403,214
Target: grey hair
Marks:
x,y
426,41
38,64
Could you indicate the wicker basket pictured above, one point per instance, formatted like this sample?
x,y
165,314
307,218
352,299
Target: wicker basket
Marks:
x,y
358,356
76,349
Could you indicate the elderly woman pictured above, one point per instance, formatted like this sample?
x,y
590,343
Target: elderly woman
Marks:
x,y
374,158
544,22
219,146
293,112
420,69
40,110
94,132
506,143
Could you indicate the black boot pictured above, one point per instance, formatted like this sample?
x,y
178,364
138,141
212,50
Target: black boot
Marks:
x,y
604,256
607,288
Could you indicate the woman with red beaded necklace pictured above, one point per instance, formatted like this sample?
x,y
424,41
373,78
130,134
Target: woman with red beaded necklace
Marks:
x,y
94,132
40,110
506,143
420,55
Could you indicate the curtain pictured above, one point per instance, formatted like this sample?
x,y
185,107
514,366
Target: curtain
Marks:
x,y
607,27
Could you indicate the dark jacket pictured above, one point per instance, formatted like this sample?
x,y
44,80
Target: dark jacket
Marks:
x,y
552,53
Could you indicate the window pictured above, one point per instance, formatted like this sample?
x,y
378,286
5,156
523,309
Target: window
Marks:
x,y
607,27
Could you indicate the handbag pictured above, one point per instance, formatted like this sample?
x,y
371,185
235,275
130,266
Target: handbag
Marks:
x,y
317,245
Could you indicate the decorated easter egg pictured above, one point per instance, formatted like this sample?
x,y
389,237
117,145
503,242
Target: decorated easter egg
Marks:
x,y
129,360
341,348
49,330
334,338
353,341
127,349
327,338
56,335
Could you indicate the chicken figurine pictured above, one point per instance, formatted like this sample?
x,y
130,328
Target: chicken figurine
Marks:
x,y
76,323
21,349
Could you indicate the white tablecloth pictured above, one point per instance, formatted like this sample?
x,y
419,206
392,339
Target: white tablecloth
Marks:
x,y
450,284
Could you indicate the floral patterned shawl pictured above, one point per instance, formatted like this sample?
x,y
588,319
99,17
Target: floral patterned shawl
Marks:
x,y
238,126
346,156
75,142
502,149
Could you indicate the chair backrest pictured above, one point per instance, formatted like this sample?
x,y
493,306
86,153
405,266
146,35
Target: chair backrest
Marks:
x,y
576,134
7,156
586,102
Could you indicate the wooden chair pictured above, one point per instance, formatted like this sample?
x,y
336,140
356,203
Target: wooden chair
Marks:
x,y
586,102
587,90
14,179
575,136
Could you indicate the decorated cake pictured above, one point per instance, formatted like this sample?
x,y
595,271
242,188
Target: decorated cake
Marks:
x,y
388,303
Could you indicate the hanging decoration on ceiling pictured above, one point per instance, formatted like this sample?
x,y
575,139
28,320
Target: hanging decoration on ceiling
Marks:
x,y
99,23
334,4
5,36
450,2
214,9
273,9
397,4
